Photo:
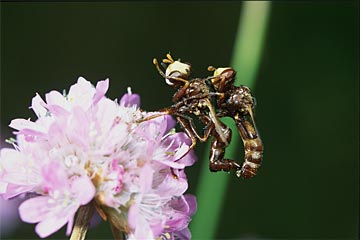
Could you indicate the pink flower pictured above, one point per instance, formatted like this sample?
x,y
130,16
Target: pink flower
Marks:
x,y
86,147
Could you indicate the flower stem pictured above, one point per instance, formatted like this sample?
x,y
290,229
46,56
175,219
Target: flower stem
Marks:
x,y
246,57
82,221
117,234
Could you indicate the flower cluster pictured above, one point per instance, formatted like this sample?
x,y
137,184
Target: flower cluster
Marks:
x,y
84,147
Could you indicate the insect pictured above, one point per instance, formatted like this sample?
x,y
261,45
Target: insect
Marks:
x,y
238,103
196,96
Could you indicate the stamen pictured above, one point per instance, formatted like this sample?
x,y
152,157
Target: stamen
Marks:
x,y
129,90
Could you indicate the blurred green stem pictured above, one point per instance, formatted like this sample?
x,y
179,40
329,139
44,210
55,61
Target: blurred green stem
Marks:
x,y
246,59
117,234
82,221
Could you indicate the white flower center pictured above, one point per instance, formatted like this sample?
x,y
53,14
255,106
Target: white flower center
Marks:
x,y
71,160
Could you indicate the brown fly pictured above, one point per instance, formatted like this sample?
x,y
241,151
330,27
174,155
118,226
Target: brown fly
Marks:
x,y
196,96
238,103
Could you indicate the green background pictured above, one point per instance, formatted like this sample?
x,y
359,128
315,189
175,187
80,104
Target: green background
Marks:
x,y
307,92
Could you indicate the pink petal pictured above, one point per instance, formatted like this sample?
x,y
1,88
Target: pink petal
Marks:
x,y
54,175
133,214
180,204
101,89
184,234
10,158
50,217
79,128
146,178
129,100
19,178
82,93
189,159
34,209
70,225
171,164
15,190
56,131
3,187
180,137
55,98
170,122
37,105
191,201
172,187
183,149
179,221
82,86
21,124
50,225
143,230
106,113
85,190
14,163
57,110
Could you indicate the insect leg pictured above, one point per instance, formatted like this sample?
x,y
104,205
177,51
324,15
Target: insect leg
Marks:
x,y
217,151
160,114
252,144
185,124
188,125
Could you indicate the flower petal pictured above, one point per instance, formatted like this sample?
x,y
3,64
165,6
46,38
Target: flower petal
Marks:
x,y
55,98
101,89
137,222
82,93
191,201
13,190
54,176
50,225
33,209
130,99
84,188
23,124
171,186
57,110
37,104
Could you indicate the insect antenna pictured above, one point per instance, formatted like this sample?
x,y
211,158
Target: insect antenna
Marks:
x,y
156,63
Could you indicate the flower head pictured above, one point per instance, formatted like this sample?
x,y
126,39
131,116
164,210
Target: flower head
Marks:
x,y
85,147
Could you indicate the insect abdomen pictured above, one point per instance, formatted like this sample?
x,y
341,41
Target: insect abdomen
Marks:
x,y
253,157
253,148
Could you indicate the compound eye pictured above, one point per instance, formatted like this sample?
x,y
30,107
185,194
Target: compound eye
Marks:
x,y
227,72
178,69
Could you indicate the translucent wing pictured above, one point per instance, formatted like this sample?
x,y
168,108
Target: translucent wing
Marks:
x,y
217,124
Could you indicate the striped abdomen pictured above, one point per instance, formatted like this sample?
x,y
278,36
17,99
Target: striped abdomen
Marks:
x,y
253,147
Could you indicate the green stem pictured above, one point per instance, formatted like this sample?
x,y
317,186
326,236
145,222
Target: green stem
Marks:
x,y
82,221
117,234
249,41
246,59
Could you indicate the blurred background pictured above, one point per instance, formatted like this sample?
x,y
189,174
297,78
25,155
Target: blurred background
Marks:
x,y
307,92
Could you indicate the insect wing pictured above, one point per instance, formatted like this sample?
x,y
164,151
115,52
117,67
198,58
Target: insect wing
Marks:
x,y
217,124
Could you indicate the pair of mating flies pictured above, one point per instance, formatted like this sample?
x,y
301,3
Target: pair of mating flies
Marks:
x,y
208,99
